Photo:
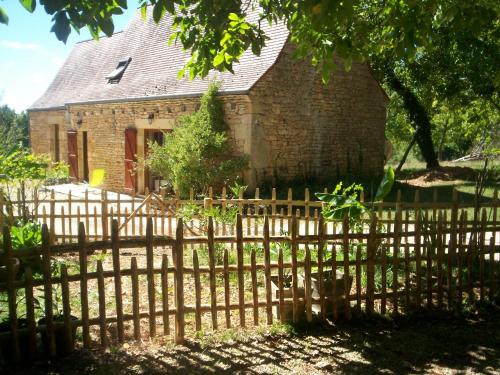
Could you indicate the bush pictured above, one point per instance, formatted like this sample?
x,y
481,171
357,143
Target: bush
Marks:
x,y
197,152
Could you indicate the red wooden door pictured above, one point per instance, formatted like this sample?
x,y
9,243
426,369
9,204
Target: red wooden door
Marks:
x,y
130,152
73,155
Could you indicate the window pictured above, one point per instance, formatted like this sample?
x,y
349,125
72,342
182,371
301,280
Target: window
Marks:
x,y
116,75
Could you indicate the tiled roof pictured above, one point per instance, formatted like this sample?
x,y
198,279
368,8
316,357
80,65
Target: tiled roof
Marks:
x,y
153,70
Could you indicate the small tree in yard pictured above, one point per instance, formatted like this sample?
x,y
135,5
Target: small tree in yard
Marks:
x,y
197,152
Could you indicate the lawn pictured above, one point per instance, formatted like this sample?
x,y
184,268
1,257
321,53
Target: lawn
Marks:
x,y
426,343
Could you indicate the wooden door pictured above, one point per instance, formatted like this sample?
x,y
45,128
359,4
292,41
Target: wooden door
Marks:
x,y
73,155
130,152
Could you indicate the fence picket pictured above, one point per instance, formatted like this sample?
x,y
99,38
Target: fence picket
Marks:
x,y
102,304
82,250
11,291
227,297
370,267
281,280
164,294
241,274
179,282
47,290
68,322
117,279
30,311
197,290
135,298
255,292
267,270
211,265
151,277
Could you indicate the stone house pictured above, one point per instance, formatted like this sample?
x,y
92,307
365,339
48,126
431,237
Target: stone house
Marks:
x,y
112,95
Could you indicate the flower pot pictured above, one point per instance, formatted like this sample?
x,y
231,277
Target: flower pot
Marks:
x,y
3,269
288,293
7,342
339,292
64,344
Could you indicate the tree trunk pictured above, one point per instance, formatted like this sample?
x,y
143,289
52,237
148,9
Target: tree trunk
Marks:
x,y
418,116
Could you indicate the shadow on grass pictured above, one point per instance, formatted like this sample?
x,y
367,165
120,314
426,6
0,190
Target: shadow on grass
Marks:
x,y
420,343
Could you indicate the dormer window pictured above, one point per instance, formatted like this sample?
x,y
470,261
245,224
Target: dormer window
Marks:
x,y
116,75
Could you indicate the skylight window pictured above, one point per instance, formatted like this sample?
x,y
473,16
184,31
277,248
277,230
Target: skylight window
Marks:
x,y
116,75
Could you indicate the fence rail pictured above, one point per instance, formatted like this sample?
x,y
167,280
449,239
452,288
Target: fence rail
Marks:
x,y
122,288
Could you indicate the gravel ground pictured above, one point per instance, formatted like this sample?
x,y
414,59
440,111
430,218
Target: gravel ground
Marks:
x,y
430,343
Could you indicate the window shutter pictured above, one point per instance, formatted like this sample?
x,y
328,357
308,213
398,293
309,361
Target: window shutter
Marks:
x,y
73,156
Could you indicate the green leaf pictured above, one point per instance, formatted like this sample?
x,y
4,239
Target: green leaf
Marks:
x,y
219,59
144,11
3,17
385,185
29,5
159,11
233,17
107,26
61,26
122,3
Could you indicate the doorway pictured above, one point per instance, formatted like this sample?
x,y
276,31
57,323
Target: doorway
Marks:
x,y
152,135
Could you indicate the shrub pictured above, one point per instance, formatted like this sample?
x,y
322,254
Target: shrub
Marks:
x,y
197,152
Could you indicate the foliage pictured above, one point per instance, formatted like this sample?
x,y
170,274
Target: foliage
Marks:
x,y
344,202
197,152
25,172
14,128
237,188
218,33
26,235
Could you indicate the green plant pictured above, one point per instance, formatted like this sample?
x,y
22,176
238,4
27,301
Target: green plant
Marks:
x,y
197,152
237,188
26,235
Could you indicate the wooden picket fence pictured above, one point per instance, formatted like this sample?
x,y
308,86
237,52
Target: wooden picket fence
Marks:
x,y
249,277
63,212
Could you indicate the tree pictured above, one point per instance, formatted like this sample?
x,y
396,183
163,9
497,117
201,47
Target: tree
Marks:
x,y
197,152
13,128
451,84
218,32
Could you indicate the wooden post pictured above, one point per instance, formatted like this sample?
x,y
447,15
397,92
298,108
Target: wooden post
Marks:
x,y
151,277
280,285
179,282
68,322
102,304
295,289
82,250
370,266
104,214
418,260
440,251
30,310
307,286
52,217
63,225
255,293
481,252
117,279
227,297
197,290
47,290
87,213
321,252
273,212
11,291
164,294
267,271
345,243
241,276
135,298
211,265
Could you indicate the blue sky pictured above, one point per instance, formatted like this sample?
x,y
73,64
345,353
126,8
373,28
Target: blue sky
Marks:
x,y
30,55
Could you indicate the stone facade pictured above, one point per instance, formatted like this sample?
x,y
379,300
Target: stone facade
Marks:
x,y
290,124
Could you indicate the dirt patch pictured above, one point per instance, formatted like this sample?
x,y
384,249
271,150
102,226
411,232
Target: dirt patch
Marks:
x,y
434,176
430,343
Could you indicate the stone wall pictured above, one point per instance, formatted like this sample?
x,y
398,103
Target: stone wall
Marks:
x,y
105,125
42,132
304,129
